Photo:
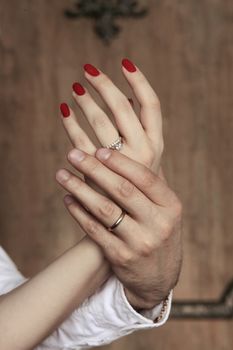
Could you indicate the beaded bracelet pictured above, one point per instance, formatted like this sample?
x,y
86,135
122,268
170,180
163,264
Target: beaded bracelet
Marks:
x,y
163,310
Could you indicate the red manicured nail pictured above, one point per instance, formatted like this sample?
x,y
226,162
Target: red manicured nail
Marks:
x,y
91,70
78,89
128,65
64,110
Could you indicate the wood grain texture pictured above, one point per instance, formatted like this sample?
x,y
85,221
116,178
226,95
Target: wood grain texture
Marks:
x,y
185,48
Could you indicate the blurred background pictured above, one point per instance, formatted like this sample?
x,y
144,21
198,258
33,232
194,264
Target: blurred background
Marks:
x,y
185,49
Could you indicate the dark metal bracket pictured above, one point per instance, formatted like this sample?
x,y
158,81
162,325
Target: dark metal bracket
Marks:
x,y
104,14
220,309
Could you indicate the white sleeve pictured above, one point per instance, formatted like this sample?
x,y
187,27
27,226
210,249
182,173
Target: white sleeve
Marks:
x,y
102,318
10,276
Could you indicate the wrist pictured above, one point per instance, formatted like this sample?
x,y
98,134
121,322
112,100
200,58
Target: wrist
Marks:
x,y
95,257
139,303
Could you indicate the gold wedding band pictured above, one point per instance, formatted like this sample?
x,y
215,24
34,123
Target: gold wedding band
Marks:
x,y
118,221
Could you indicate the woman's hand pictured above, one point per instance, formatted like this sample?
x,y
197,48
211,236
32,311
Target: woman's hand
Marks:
x,y
145,248
142,136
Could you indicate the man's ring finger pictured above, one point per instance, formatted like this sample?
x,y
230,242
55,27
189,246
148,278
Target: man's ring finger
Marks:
x,y
118,221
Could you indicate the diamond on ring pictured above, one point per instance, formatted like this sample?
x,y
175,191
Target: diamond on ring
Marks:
x,y
117,145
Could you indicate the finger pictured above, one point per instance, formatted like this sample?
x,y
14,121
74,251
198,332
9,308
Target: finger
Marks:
x,y
98,120
77,136
110,243
125,194
141,176
105,210
126,120
151,117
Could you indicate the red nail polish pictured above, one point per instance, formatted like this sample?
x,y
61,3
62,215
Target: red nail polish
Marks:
x,y
78,89
91,70
128,65
64,110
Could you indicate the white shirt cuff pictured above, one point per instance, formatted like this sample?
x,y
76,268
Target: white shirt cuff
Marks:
x,y
10,276
147,314
103,318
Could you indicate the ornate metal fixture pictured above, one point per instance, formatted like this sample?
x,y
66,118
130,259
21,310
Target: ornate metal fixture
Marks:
x,y
222,308
104,13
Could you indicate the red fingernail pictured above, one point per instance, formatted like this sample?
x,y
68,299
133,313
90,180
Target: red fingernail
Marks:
x,y
91,70
128,65
78,89
64,110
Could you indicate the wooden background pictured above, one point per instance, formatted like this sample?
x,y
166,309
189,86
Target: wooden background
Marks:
x,y
185,48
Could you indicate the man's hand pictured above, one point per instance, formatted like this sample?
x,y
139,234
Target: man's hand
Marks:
x,y
145,248
142,142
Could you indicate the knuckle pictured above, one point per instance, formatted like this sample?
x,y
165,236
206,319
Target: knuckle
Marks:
x,y
107,209
146,247
122,105
124,258
125,188
152,99
99,122
148,156
92,227
80,142
75,184
141,78
72,207
125,103
147,179
103,79
166,229
70,183
178,207
154,102
93,166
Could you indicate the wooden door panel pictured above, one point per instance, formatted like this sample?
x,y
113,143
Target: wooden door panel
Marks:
x,y
185,49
